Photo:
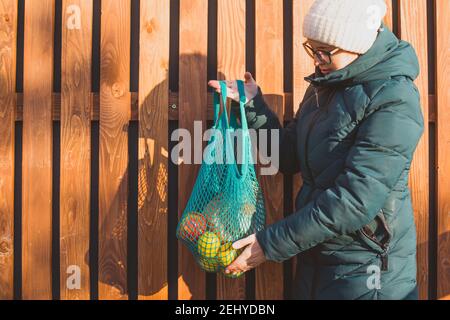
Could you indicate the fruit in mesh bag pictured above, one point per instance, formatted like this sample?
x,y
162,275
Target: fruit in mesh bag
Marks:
x,y
233,276
248,208
220,229
213,208
227,254
216,213
208,245
209,265
193,226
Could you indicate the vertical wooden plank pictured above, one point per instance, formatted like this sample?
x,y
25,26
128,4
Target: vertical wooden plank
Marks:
x,y
37,150
389,18
76,111
153,149
413,20
231,39
114,117
303,66
231,66
443,146
269,76
8,30
192,103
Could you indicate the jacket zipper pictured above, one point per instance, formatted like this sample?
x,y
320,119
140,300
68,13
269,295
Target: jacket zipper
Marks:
x,y
384,247
383,255
311,125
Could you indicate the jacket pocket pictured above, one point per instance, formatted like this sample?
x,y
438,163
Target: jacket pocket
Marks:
x,y
377,236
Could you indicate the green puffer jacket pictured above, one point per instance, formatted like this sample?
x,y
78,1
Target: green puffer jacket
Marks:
x,y
353,140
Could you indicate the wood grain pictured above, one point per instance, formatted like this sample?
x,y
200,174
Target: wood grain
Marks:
x,y
389,18
192,104
413,17
114,117
443,146
231,39
269,76
153,149
94,101
231,66
8,47
302,62
37,150
303,66
113,107
75,149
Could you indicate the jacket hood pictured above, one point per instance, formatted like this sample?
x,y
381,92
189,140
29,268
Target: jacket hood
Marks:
x,y
388,57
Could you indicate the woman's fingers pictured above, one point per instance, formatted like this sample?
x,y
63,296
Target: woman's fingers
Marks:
x,y
231,83
251,89
248,77
214,84
238,265
244,242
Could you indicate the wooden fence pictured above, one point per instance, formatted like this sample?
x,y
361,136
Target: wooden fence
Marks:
x,y
90,92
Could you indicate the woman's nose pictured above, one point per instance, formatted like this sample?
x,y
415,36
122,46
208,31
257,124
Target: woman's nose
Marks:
x,y
317,61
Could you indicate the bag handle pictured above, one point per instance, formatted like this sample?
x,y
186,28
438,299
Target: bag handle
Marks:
x,y
223,95
241,89
224,117
221,108
244,127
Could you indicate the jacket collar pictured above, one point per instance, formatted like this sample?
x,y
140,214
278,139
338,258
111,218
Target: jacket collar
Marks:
x,y
385,48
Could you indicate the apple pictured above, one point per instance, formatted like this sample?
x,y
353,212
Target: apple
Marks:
x,y
208,245
193,226
209,265
227,254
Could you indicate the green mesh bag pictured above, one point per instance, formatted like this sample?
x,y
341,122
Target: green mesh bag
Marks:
x,y
226,203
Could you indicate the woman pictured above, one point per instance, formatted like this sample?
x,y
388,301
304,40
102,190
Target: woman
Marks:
x,y
353,141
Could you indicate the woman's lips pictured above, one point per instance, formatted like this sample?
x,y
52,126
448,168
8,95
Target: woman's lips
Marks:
x,y
325,71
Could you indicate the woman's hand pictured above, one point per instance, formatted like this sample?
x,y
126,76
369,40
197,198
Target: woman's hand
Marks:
x,y
250,258
250,86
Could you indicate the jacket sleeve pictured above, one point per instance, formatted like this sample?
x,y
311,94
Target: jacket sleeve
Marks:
x,y
383,148
260,116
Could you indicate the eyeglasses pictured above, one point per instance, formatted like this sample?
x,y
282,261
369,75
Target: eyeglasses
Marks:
x,y
323,56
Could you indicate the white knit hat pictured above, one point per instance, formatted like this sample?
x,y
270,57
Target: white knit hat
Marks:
x,y
351,25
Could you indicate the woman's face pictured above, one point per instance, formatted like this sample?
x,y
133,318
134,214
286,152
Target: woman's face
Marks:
x,y
340,59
